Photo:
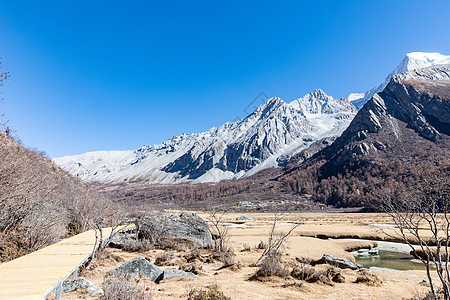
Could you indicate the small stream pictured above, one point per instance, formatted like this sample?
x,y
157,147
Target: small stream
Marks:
x,y
390,255
390,260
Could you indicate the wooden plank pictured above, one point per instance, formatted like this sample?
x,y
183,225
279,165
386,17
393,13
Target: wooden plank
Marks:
x,y
32,275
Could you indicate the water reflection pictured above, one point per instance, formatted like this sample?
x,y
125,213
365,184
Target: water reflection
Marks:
x,y
390,260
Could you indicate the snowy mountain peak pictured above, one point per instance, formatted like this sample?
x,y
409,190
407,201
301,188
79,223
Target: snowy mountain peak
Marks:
x,y
275,130
318,93
318,102
412,61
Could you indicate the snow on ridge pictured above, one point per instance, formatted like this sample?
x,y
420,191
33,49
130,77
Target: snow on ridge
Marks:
x,y
412,61
233,150
276,129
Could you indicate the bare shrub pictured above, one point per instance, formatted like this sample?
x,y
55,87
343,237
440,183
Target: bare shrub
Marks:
x,y
165,258
176,244
276,239
134,245
193,267
211,292
271,266
368,277
302,272
309,274
216,218
121,287
246,248
192,254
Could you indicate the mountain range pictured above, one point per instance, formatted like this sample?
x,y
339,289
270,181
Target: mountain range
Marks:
x,y
271,136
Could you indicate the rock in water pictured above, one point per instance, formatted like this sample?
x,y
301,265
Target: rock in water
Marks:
x,y
339,262
244,218
139,265
81,283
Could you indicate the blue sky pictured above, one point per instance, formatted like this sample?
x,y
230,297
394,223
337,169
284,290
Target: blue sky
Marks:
x,y
113,75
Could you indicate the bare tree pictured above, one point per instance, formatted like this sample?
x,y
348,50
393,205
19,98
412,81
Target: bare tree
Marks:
x,y
276,238
422,220
216,218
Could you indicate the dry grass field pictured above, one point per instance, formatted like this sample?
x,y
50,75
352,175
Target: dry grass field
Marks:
x,y
303,244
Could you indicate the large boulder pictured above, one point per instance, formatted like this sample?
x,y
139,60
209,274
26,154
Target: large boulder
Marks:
x,y
174,272
139,265
338,262
81,283
187,226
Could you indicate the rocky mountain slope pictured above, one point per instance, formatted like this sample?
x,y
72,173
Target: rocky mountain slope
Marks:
x,y
412,61
270,136
403,130
266,138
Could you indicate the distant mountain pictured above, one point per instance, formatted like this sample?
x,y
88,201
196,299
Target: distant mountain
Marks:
x,y
402,131
268,137
412,61
417,100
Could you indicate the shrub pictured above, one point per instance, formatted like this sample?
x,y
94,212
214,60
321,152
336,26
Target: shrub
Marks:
x,y
211,292
192,254
246,248
195,268
121,287
309,274
271,266
165,258
368,277
135,245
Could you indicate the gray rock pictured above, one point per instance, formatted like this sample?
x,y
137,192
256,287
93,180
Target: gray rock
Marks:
x,y
245,218
365,252
174,272
339,262
139,265
120,241
81,283
187,226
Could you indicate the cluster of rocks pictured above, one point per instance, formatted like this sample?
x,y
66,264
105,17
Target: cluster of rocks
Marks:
x,y
143,266
365,252
137,266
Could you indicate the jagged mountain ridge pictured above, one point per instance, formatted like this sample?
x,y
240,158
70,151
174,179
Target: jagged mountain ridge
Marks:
x,y
412,61
268,137
265,138
414,106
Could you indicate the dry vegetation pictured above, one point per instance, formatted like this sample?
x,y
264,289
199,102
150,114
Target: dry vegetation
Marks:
x,y
286,274
39,202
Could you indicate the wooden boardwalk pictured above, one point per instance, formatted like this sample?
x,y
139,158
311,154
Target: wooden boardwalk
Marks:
x,y
33,275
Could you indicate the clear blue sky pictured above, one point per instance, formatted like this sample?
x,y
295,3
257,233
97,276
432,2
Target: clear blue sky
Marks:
x,y
113,75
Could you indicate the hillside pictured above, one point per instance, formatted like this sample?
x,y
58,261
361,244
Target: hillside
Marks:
x,y
39,202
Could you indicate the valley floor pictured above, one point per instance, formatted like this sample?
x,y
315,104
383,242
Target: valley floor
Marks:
x,y
303,244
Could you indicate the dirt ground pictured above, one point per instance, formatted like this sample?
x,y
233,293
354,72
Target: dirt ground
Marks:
x,y
303,244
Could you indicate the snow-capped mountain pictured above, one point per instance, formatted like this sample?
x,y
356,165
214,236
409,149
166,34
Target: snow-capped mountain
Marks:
x,y
274,131
412,61
269,136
